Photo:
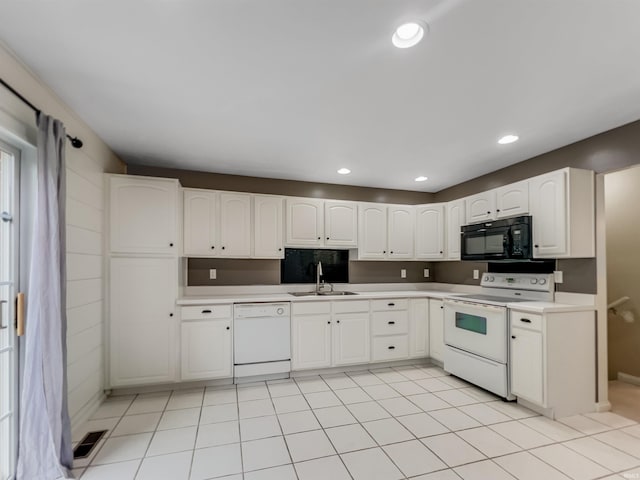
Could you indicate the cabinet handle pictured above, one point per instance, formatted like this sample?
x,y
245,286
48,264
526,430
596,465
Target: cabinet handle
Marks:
x,y
488,213
441,306
171,314
206,311
391,251
441,251
384,251
328,323
327,238
279,249
228,328
212,247
391,304
223,248
338,321
391,347
513,336
171,244
318,238
536,246
391,323
525,320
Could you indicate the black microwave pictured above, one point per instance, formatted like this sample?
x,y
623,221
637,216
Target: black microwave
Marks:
x,y
506,239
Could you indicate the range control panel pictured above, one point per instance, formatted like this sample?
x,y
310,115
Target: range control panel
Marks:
x,y
539,282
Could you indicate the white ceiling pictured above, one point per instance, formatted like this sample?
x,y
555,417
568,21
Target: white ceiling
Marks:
x,y
298,88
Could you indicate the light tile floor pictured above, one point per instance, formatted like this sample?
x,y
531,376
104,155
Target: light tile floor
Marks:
x,y
383,424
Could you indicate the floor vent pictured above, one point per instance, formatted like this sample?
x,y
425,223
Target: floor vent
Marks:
x,y
88,443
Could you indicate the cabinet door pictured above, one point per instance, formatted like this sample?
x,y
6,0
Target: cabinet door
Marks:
x,y
143,215
455,219
436,329
430,231
351,339
549,211
311,341
418,327
340,223
267,227
235,225
372,231
142,324
401,232
481,207
305,222
206,349
512,199
200,215
526,365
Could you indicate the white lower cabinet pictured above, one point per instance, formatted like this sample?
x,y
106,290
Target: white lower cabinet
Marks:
x,y
418,327
143,327
310,335
350,338
390,332
206,342
553,363
436,329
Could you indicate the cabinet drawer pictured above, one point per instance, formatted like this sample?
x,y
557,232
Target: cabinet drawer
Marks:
x,y
351,306
390,323
310,308
531,321
389,304
390,347
201,312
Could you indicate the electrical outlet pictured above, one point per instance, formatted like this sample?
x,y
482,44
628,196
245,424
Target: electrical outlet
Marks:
x,y
403,273
426,273
476,274
212,274
558,276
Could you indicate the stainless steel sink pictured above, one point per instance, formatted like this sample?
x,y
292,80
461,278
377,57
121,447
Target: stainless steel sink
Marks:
x,y
321,294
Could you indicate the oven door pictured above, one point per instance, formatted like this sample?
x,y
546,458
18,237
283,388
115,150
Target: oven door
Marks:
x,y
485,243
476,328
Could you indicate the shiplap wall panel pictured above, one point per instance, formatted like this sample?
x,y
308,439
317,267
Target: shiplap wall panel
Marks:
x,y
83,267
83,317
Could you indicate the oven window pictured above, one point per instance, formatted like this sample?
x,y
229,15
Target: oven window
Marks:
x,y
473,323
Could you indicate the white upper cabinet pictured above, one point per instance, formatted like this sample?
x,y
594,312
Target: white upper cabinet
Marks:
x,y
455,219
144,215
217,224
305,222
372,231
401,231
267,226
563,210
430,231
200,225
512,200
235,225
481,207
340,223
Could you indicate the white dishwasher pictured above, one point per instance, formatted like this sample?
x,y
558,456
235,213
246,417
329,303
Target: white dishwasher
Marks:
x,y
261,339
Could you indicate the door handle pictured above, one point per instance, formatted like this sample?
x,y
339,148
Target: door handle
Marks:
x,y
2,325
20,314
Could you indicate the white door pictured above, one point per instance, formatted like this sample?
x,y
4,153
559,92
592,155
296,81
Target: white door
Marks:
x,y
310,341
200,216
8,282
267,227
235,225
143,326
526,365
305,222
436,329
401,232
549,212
430,231
455,219
481,207
512,199
143,215
206,349
372,231
418,327
351,339
340,223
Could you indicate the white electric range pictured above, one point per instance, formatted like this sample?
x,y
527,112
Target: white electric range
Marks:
x,y
476,327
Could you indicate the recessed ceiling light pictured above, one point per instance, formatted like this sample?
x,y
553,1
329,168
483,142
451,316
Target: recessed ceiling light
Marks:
x,y
408,34
344,171
508,139
421,178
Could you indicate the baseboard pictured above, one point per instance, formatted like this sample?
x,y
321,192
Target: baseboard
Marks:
x,y
625,377
603,407
85,412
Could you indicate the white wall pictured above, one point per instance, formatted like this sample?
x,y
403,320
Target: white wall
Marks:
x,y
85,232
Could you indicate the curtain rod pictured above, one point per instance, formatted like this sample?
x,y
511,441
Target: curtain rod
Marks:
x,y
75,141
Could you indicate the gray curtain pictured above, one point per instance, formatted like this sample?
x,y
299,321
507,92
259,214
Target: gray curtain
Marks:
x,y
45,432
